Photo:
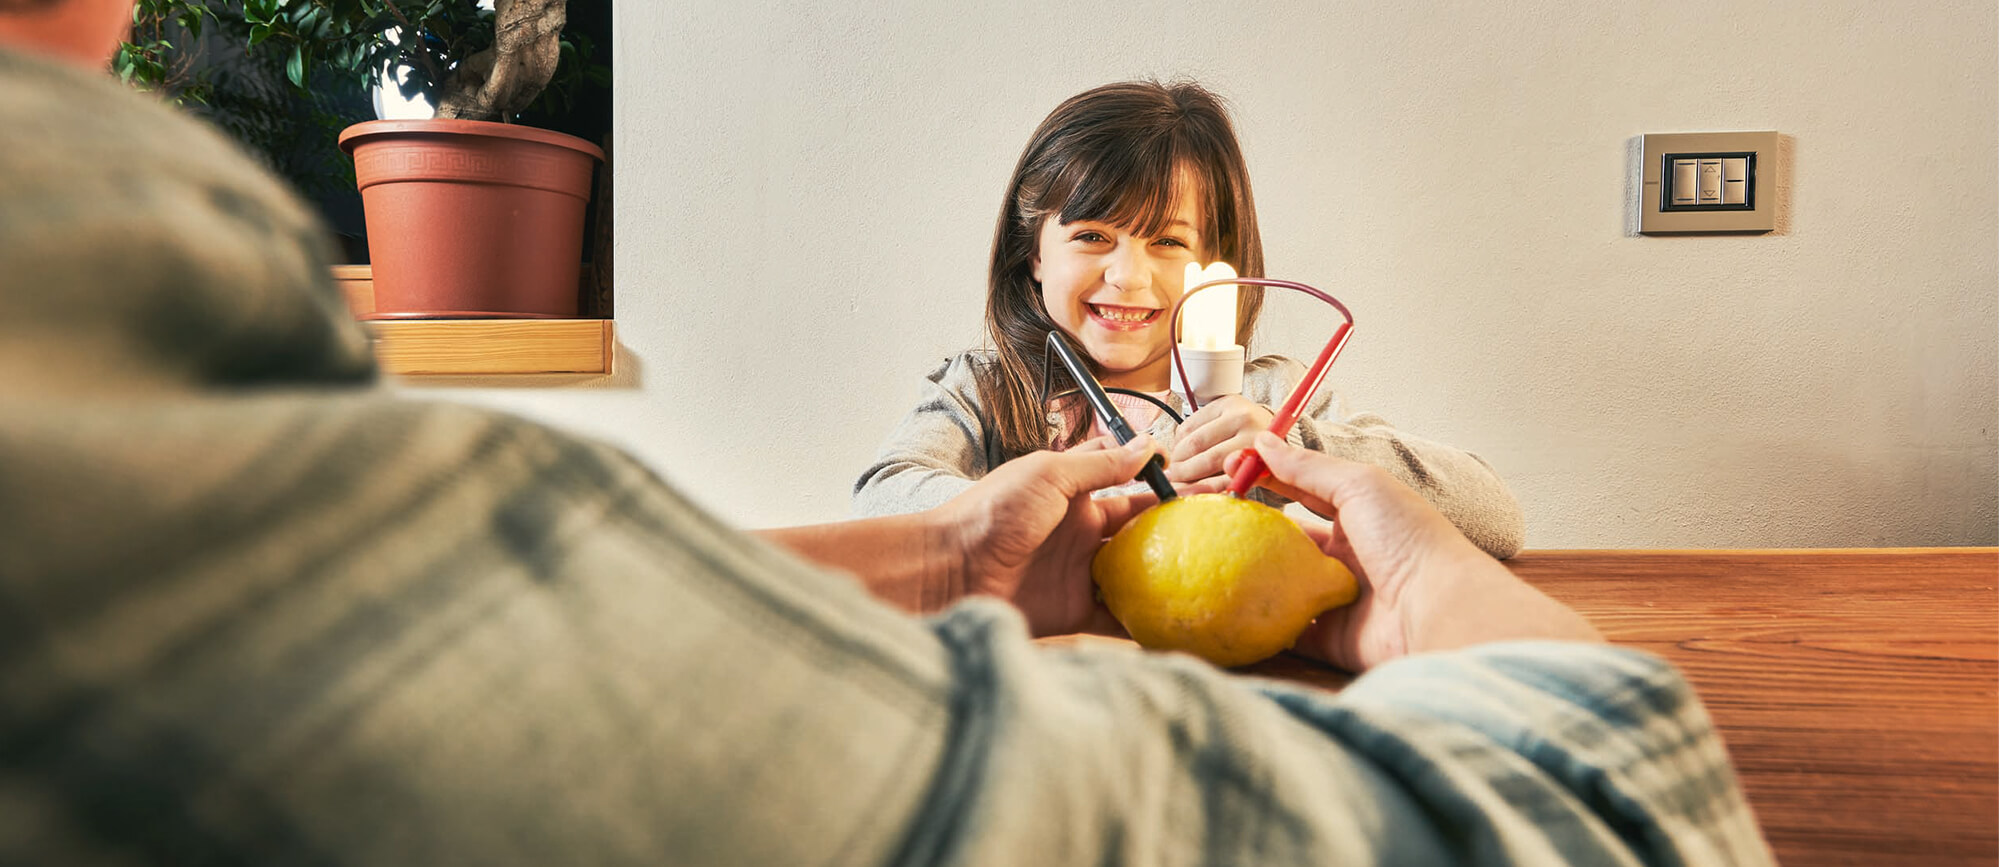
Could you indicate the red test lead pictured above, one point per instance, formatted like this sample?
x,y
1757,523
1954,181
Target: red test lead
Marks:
x,y
1252,468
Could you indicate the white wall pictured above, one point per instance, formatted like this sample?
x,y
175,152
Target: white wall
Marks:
x,y
806,193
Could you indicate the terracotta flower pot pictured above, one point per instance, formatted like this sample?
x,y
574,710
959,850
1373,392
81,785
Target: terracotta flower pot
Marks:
x,y
469,219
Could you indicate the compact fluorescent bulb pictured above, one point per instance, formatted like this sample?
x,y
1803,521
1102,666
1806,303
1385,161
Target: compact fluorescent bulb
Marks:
x,y
1208,347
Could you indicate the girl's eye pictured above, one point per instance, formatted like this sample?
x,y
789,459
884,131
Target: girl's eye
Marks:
x,y
1171,242
1090,237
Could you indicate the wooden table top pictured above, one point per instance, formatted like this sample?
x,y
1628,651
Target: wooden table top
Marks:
x,y
1855,689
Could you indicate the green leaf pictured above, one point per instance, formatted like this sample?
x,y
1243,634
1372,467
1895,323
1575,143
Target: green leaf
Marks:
x,y
295,67
259,33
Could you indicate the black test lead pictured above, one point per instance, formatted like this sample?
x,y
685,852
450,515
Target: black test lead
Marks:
x,y
1155,471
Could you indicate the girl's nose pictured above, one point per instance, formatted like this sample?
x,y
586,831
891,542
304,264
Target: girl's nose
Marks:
x,y
1129,270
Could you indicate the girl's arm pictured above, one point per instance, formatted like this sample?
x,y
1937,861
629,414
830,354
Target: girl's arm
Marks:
x,y
935,452
1455,481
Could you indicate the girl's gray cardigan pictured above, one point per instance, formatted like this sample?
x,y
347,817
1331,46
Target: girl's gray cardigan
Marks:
x,y
945,444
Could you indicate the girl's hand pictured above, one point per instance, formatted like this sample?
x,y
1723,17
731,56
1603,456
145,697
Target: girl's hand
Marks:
x,y
1222,428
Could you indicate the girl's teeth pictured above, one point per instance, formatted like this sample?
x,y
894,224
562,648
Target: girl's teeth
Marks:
x,y
1117,315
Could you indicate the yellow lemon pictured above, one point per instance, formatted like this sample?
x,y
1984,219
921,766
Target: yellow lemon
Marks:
x,y
1231,581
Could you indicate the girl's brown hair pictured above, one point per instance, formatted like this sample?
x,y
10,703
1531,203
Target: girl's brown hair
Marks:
x,y
1120,154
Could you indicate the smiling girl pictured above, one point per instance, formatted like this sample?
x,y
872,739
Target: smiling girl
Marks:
x,y
1118,190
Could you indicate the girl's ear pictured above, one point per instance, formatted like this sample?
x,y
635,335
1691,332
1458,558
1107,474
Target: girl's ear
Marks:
x,y
1035,268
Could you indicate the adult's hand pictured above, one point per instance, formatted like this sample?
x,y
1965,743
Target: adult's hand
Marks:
x,y
1026,531
1424,586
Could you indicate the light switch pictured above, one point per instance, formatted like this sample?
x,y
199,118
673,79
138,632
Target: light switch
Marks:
x,y
1684,183
1708,180
1735,180
1711,183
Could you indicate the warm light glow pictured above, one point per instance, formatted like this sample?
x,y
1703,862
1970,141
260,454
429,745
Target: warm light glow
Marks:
x,y
1208,320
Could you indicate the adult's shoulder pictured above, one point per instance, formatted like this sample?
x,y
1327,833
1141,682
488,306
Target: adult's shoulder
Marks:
x,y
163,233
67,126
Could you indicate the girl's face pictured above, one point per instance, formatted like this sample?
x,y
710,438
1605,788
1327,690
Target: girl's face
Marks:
x,y
1112,291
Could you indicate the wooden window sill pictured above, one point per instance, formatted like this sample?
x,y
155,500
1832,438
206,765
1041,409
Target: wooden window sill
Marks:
x,y
462,347
479,347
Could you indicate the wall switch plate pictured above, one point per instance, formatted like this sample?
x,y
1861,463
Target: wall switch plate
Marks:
x,y
1708,182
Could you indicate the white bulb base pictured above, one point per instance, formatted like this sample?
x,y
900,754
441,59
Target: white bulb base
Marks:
x,y
1212,373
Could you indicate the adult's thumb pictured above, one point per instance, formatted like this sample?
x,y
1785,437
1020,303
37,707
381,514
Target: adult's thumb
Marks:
x,y
1323,477
1089,471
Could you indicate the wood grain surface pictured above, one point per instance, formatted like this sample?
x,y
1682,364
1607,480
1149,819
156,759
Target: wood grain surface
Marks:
x,y
420,347
1855,689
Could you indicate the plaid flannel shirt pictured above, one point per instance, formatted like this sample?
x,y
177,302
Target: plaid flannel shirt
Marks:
x,y
254,610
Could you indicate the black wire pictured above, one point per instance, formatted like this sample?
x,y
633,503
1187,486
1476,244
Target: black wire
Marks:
x,y
1050,399
1116,390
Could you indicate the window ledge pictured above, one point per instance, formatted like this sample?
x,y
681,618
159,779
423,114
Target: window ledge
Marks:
x,y
459,347
479,347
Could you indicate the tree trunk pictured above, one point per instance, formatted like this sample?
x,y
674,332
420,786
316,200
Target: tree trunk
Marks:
x,y
498,83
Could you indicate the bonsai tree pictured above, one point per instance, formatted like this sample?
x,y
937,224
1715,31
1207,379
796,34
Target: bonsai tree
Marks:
x,y
472,63
502,79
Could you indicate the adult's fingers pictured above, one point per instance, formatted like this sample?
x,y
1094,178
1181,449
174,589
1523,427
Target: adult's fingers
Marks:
x,y
1380,517
1118,510
1333,542
1313,502
1080,471
1108,441
1094,444
1309,475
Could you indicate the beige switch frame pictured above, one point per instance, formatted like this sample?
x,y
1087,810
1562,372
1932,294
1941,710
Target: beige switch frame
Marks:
x,y
1761,217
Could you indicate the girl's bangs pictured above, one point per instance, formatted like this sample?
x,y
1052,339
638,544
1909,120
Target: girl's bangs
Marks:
x,y
1138,193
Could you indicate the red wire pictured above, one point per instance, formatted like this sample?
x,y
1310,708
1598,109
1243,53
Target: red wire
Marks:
x,y
1252,468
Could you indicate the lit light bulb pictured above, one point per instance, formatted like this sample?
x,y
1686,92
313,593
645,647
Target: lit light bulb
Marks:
x,y
1208,320
1213,362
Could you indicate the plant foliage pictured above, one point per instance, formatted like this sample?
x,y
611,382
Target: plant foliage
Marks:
x,y
355,40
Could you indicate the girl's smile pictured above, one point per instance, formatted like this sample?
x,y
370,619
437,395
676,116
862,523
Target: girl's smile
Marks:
x,y
1119,318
